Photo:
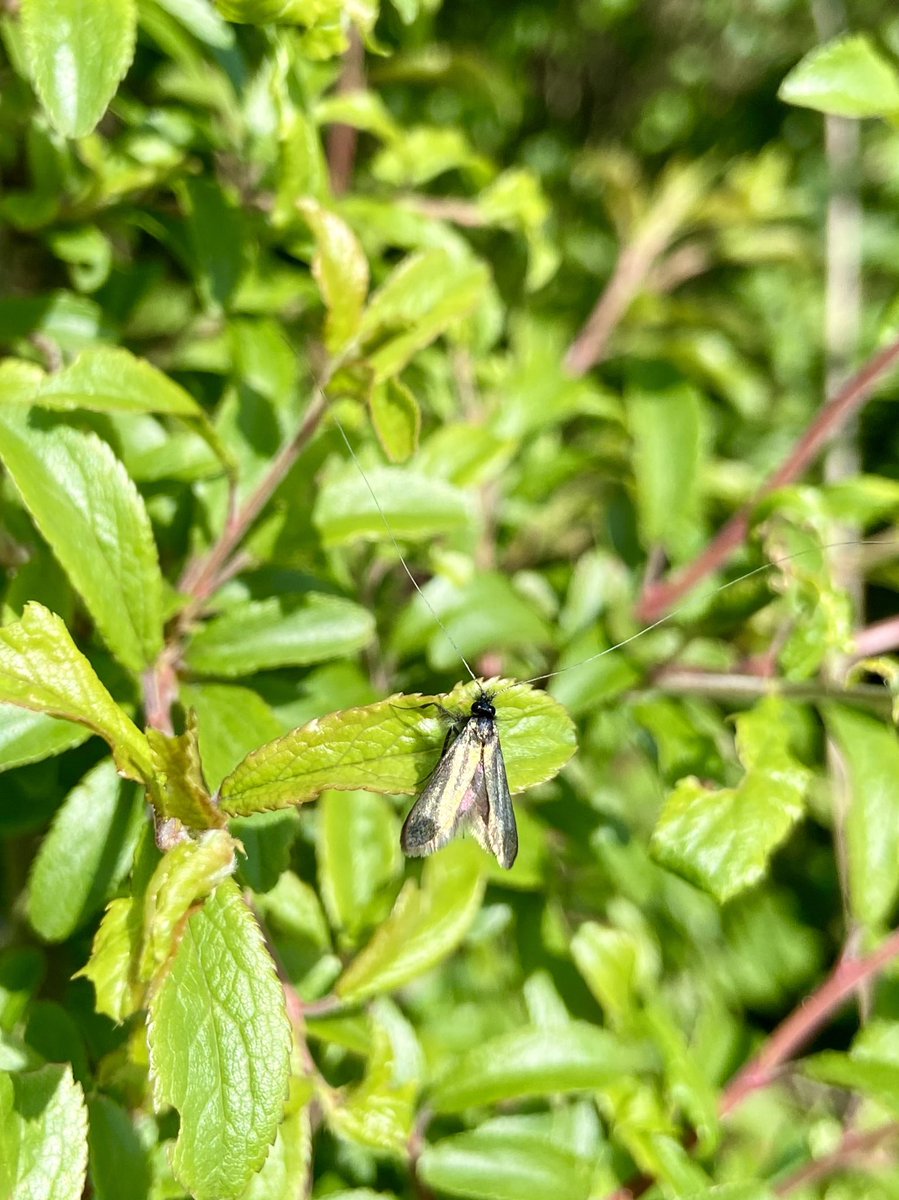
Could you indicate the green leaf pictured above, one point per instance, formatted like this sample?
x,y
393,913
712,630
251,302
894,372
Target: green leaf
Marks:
x,y
43,1135
723,839
876,1078
94,520
871,752
413,506
231,721
85,855
847,77
666,424
111,379
610,960
220,1048
280,632
380,1111
179,791
42,669
422,297
119,1161
427,924
285,1174
393,745
21,973
111,967
341,272
216,240
531,1062
496,1165
358,853
78,53
397,419
27,737
186,874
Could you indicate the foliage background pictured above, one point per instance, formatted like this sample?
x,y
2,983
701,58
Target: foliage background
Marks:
x,y
568,285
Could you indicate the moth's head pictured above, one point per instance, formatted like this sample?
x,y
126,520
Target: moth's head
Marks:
x,y
483,707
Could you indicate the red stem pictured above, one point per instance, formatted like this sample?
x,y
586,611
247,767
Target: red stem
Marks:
x,y
659,598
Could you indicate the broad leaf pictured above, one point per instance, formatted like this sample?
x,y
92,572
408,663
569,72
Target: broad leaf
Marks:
x,y
42,669
409,506
43,1135
78,53
532,1062
848,77
496,1165
27,737
393,746
427,923
85,855
358,853
119,1160
231,721
220,1048
95,522
723,839
280,632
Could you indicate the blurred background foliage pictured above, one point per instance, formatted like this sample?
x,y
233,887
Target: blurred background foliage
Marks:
x,y
574,279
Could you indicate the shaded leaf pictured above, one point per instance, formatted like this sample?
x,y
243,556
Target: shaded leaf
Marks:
x,y
85,855
179,791
397,419
871,753
27,737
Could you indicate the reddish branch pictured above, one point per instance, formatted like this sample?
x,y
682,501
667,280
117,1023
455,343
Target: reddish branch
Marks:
x,y
204,576
342,139
659,598
789,1037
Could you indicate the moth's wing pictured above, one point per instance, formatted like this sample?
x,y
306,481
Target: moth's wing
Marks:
x,y
435,815
492,816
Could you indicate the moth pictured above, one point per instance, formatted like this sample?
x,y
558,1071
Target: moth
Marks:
x,y
468,788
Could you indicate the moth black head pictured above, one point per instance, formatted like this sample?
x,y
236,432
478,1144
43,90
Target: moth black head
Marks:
x,y
483,707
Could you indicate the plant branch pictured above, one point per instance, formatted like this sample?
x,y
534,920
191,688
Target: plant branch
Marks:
x,y
737,687
805,1021
342,139
659,598
879,638
855,1149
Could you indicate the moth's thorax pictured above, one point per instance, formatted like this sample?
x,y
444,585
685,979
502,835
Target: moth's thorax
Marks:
x,y
484,728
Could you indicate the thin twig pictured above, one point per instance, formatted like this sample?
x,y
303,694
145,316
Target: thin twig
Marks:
x,y
659,598
342,139
855,1149
805,1021
879,638
738,687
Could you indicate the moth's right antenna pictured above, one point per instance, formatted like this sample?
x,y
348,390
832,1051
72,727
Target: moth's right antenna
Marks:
x,y
396,547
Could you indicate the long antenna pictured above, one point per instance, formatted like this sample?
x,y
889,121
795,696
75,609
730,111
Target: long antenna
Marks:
x,y
768,566
396,547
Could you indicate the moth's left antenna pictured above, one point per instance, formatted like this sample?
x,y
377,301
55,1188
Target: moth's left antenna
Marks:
x,y
396,547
